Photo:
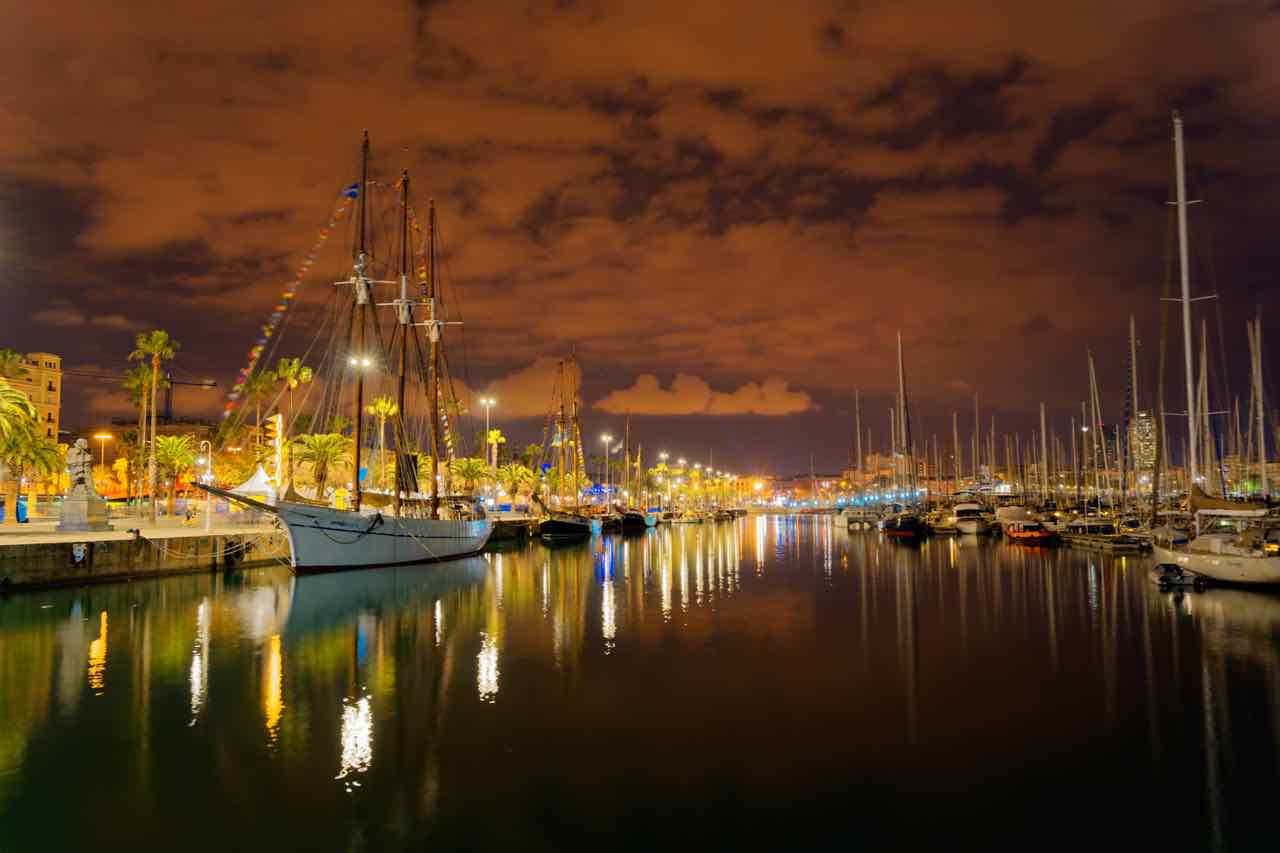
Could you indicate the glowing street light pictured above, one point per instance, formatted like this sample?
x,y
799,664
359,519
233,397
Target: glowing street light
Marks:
x,y
103,438
488,403
608,443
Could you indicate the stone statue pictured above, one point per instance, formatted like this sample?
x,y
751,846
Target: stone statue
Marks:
x,y
80,468
82,507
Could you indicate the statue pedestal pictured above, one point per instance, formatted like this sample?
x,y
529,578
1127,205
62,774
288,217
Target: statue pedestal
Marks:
x,y
83,512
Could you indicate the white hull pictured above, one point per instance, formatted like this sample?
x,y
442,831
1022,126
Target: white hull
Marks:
x,y
972,526
1233,568
324,540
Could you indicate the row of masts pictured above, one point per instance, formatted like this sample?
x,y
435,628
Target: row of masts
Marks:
x,y
404,305
1094,450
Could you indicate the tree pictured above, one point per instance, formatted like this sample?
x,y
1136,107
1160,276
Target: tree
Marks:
x,y
24,451
155,346
11,366
257,388
493,439
470,471
176,455
514,478
323,452
531,456
16,411
292,373
382,408
120,468
137,382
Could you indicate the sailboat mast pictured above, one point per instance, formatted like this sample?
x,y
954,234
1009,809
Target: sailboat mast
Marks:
x,y
904,434
362,307
1044,457
404,319
1259,406
857,431
433,359
1180,167
562,430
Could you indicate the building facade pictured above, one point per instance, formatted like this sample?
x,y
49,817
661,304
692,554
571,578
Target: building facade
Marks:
x,y
43,387
1143,440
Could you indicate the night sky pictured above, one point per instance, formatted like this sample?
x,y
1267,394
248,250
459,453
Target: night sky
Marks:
x,y
728,208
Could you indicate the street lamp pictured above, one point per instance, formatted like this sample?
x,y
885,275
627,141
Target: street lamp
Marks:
x,y
488,403
207,449
608,442
103,438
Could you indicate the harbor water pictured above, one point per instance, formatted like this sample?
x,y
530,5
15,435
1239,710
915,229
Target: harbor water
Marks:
x,y
769,682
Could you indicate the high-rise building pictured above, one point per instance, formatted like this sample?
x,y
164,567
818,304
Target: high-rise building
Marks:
x,y
43,386
1142,435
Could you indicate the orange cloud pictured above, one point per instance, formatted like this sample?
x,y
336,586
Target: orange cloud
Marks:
x,y
691,395
527,393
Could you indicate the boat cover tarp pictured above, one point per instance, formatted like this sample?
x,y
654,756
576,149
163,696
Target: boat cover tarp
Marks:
x,y
1202,502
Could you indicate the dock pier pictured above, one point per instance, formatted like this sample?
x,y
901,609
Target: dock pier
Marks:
x,y
36,556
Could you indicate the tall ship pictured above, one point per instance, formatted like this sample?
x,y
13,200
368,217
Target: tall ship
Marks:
x,y
395,519
565,520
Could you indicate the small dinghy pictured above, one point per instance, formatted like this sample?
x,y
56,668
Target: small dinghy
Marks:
x,y
1167,576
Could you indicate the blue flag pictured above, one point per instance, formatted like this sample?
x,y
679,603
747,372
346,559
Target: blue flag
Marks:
x,y
352,191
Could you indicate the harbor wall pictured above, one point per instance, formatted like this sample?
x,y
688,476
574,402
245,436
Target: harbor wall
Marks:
x,y
49,564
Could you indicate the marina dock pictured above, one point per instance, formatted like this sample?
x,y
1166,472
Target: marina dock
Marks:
x,y
37,556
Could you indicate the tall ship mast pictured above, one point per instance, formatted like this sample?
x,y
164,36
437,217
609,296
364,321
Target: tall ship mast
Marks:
x,y
401,522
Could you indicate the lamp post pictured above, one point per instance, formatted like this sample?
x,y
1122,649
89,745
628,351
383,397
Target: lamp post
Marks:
x,y
488,403
207,449
608,442
662,457
102,439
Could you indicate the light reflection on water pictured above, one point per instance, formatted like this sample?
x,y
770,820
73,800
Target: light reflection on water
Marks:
x,y
838,675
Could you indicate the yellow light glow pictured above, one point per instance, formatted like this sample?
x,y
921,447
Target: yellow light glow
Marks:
x,y
273,692
98,656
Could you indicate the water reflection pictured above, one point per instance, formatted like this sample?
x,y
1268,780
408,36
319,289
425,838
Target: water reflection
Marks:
x,y
356,739
98,657
830,658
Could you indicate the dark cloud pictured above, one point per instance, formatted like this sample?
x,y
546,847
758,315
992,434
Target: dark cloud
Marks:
x,y
671,189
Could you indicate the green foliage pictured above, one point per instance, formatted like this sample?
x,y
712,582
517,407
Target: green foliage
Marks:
x,y
26,452
11,366
470,471
323,452
515,478
16,412
176,454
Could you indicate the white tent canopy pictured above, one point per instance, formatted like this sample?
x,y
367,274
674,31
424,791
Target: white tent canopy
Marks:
x,y
260,487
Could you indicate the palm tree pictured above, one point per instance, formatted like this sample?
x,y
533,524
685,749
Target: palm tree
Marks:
x,y
292,373
23,451
137,382
176,455
513,478
531,455
323,452
470,471
155,346
257,388
11,366
16,410
382,408
493,439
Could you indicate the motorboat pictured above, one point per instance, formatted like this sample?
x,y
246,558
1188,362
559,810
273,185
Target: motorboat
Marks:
x,y
1233,545
1028,532
970,518
903,525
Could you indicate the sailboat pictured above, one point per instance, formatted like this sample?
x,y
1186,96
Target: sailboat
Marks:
x,y
904,522
1233,541
403,528
564,523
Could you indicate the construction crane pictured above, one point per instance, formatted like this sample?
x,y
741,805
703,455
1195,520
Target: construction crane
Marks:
x,y
166,416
